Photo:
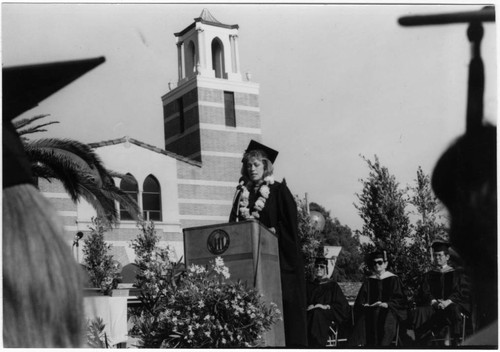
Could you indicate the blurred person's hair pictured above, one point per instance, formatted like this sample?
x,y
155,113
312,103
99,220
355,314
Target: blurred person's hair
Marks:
x,y
42,283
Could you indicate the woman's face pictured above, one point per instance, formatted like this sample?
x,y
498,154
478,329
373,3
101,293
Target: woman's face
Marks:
x,y
255,169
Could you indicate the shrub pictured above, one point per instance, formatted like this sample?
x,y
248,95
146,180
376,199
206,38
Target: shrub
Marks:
x,y
206,310
102,271
96,337
199,307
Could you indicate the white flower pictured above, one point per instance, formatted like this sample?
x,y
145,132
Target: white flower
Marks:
x,y
219,262
245,193
201,304
245,212
259,204
269,180
264,190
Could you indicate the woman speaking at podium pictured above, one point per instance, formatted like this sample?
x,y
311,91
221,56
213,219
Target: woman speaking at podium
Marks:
x,y
260,197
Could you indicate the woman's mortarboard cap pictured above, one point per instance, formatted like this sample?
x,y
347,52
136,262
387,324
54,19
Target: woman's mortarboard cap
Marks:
x,y
271,154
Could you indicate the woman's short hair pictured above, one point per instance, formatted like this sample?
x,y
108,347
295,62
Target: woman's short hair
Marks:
x,y
258,154
42,286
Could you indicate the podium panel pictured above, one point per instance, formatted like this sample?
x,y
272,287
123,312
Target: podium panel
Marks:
x,y
251,253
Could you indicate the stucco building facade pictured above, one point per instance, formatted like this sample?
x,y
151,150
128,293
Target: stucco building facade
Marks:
x,y
209,118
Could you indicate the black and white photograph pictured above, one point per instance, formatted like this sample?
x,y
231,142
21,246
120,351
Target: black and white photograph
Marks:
x,y
250,175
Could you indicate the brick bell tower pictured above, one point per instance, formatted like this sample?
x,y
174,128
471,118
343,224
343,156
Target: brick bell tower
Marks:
x,y
209,118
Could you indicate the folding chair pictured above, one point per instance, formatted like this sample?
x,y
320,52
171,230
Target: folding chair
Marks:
x,y
396,342
447,339
333,336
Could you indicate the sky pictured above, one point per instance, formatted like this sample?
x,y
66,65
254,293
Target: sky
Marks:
x,y
337,82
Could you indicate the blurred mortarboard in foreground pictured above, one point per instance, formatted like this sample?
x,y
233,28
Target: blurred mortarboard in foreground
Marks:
x,y
271,154
23,88
475,31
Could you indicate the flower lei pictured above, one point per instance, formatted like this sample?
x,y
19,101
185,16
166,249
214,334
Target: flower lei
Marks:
x,y
259,203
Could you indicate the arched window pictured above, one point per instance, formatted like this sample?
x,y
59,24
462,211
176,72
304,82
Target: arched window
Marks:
x,y
129,186
151,199
218,58
191,59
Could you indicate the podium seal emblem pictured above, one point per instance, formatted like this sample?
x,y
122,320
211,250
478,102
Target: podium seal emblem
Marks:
x,y
218,242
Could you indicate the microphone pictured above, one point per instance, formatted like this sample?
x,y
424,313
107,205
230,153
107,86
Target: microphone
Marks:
x,y
78,237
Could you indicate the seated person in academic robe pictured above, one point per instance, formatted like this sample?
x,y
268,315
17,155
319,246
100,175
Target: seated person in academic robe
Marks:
x,y
326,303
379,306
443,295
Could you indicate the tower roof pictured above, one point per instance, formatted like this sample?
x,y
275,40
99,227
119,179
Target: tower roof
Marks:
x,y
206,18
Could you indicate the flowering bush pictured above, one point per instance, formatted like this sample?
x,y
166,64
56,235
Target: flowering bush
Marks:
x,y
200,308
101,269
208,311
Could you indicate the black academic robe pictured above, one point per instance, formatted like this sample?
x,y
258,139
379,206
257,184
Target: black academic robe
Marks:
x,y
452,284
280,213
375,326
325,292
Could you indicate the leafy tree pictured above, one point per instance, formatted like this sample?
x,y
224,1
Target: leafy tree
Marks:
x,y
382,206
429,226
99,264
426,229
309,237
79,169
336,234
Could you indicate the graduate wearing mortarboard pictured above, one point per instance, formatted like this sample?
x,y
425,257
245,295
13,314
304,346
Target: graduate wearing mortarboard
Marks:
x,y
325,303
260,197
443,295
380,304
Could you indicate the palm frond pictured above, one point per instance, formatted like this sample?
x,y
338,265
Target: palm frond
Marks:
x,y
125,200
35,129
19,125
82,174
24,122
67,152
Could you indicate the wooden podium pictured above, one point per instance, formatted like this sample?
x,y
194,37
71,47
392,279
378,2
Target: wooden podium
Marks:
x,y
250,251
